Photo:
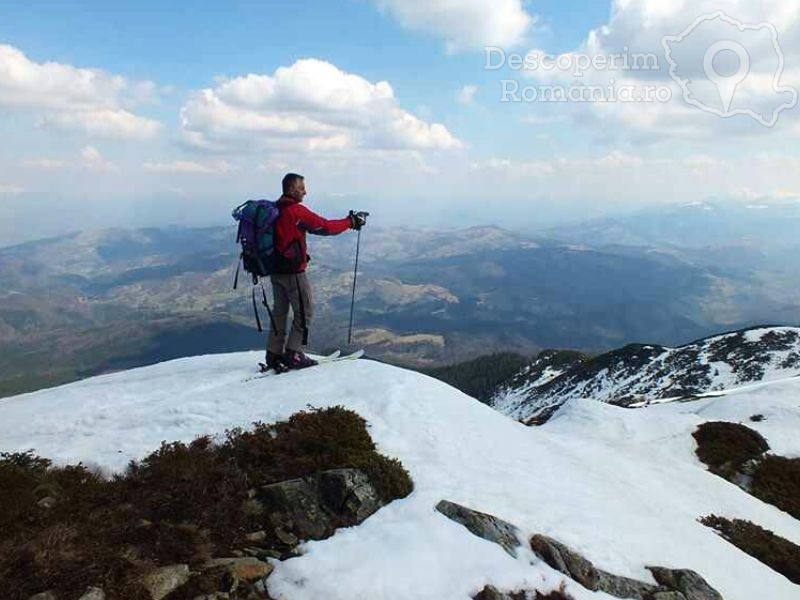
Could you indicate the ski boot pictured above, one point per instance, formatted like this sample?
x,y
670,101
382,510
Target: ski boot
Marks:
x,y
274,363
296,359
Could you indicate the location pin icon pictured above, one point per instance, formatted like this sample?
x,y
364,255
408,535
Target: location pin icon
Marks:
x,y
726,86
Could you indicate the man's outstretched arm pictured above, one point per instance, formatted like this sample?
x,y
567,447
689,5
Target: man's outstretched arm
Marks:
x,y
313,223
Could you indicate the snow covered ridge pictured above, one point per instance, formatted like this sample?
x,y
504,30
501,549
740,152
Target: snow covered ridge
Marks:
x,y
623,488
640,374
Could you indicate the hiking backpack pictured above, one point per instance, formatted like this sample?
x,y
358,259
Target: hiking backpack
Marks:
x,y
256,234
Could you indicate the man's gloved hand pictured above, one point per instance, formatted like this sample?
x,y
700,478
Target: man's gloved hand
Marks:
x,y
358,219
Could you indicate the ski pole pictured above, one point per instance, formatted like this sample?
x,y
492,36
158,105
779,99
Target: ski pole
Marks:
x,y
353,297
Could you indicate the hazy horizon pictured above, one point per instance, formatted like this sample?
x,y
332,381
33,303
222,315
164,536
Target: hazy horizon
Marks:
x,y
428,113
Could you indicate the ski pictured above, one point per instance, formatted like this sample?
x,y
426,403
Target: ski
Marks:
x,y
351,356
265,372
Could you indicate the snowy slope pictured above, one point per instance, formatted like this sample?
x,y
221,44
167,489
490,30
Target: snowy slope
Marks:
x,y
623,487
641,374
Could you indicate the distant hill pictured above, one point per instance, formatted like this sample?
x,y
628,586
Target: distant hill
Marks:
x,y
642,374
81,304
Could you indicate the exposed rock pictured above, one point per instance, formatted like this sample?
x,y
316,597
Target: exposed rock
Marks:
x,y
674,584
349,493
93,593
689,583
313,507
297,500
483,525
256,537
285,537
561,558
247,568
668,596
164,580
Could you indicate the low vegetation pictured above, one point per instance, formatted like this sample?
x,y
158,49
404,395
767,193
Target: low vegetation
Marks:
x,y
739,454
726,447
67,528
480,377
774,551
777,481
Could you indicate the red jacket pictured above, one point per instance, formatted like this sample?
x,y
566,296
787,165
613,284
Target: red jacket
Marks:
x,y
294,221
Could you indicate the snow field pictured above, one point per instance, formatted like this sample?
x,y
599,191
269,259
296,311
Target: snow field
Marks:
x,y
621,486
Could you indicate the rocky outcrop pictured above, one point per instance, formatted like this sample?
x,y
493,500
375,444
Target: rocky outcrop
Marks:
x,y
165,580
313,507
688,583
672,584
561,558
244,568
483,525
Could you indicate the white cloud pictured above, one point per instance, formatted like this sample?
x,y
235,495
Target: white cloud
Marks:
x,y
9,189
638,26
92,160
466,95
68,97
310,106
104,123
189,167
464,24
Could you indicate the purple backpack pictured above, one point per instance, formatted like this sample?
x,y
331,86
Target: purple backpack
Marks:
x,y
256,235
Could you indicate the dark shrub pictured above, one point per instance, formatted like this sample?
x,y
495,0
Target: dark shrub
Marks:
x,y
777,481
774,551
725,447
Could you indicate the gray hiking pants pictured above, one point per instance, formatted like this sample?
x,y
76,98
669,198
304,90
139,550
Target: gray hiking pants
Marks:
x,y
295,291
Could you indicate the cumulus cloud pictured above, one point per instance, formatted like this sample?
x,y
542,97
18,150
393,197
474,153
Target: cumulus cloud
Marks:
x,y
309,106
464,24
637,27
189,167
68,97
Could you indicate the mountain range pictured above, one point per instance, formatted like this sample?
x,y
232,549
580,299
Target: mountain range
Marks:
x,y
93,302
639,374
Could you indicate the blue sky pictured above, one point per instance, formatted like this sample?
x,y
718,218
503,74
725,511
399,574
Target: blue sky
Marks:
x,y
382,103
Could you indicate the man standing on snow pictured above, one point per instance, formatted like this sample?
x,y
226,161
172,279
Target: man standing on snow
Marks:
x,y
289,282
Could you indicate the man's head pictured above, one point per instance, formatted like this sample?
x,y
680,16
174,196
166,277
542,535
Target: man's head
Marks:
x,y
294,186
